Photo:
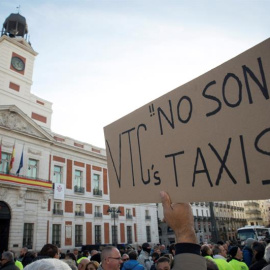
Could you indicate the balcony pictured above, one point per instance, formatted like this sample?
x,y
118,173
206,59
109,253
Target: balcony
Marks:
x,y
13,179
114,215
254,218
58,212
78,189
79,213
97,192
251,203
98,214
148,217
128,216
253,211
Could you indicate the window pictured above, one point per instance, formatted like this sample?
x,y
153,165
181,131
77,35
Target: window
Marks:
x,y
147,216
57,174
128,214
78,178
97,211
78,235
28,234
57,208
78,182
114,234
148,233
129,234
96,185
97,234
56,235
32,171
4,163
79,210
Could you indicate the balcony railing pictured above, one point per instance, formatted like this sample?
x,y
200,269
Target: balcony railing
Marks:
x,y
58,212
98,214
148,217
255,204
253,211
79,213
114,215
128,216
97,192
78,189
24,180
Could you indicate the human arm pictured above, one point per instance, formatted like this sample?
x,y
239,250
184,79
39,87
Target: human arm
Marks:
x,y
180,218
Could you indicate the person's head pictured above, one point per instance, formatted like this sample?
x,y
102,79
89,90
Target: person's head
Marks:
x,y
162,248
170,257
235,252
7,257
267,254
92,266
125,257
155,256
93,252
146,247
219,250
50,250
258,250
206,250
75,251
96,258
163,263
23,251
133,255
70,256
48,264
82,264
249,242
70,263
110,258
86,253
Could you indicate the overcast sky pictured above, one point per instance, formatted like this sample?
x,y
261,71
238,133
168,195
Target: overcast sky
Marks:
x,y
100,60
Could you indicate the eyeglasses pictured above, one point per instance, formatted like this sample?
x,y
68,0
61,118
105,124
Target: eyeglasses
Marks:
x,y
119,258
125,260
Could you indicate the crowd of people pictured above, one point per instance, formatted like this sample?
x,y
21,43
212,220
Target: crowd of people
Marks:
x,y
186,254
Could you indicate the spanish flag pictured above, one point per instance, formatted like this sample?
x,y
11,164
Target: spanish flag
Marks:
x,y
12,159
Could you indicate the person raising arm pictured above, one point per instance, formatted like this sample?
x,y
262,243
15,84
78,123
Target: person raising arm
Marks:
x,y
180,218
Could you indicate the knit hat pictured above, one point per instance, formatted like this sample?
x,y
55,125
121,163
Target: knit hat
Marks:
x,y
249,242
233,251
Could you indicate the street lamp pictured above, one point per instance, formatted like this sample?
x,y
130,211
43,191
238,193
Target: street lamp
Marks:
x,y
113,212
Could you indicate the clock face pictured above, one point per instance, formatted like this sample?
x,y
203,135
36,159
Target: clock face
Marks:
x,y
17,63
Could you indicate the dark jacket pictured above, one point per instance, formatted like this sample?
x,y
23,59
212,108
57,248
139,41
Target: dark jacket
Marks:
x,y
247,255
27,259
132,265
9,266
258,265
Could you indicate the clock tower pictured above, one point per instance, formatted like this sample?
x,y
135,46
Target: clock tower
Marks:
x,y
16,71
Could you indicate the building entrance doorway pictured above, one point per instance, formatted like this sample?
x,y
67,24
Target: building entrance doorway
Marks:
x,y
4,226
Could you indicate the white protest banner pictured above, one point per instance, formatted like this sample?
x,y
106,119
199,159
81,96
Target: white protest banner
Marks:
x,y
208,140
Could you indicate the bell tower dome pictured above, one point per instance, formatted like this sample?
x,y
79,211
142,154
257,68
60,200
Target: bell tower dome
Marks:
x,y
15,26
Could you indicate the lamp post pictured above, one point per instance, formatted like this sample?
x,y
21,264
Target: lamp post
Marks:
x,y
113,212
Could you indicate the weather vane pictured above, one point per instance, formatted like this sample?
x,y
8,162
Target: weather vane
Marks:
x,y
18,8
